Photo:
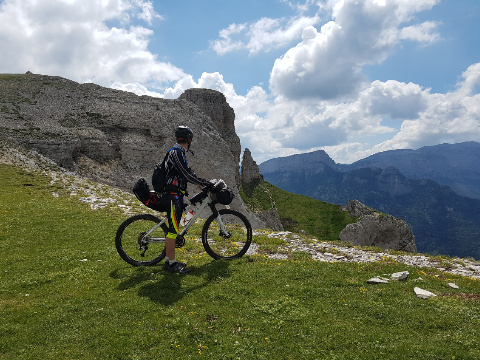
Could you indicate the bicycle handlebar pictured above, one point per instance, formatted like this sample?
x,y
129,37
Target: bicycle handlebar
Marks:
x,y
216,185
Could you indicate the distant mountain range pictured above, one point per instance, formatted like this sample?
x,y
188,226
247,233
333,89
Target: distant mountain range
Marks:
x,y
435,189
454,165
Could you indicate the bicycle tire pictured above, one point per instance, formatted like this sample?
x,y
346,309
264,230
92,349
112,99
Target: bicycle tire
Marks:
x,y
128,241
235,245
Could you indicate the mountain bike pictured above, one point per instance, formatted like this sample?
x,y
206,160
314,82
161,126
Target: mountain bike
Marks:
x,y
226,233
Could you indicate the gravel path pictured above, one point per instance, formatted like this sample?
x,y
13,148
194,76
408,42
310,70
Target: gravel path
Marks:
x,y
330,252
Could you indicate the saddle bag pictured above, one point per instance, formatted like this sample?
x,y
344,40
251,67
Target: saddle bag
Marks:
x,y
149,198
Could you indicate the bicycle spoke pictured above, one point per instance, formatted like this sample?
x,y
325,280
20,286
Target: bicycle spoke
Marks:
x,y
232,241
135,246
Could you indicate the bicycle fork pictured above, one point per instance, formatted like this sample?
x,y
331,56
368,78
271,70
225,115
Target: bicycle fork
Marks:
x,y
221,225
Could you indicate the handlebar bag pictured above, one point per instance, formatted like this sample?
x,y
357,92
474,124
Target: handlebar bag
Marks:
x,y
224,196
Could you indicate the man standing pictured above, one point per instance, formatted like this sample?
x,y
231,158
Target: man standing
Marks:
x,y
177,175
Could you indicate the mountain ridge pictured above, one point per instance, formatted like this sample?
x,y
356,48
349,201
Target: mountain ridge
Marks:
x,y
454,165
441,220
298,162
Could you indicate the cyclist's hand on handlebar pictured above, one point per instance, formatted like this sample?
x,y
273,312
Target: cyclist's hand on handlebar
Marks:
x,y
209,186
218,183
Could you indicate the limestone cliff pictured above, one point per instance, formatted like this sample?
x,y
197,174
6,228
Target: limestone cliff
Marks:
x,y
113,136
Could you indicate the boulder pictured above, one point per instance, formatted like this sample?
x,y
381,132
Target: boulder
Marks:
x,y
376,229
400,276
377,280
356,209
423,294
271,219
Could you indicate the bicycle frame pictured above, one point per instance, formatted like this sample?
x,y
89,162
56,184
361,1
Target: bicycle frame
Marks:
x,y
206,202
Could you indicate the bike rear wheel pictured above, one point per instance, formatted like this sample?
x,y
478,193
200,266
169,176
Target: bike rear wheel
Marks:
x,y
231,244
134,246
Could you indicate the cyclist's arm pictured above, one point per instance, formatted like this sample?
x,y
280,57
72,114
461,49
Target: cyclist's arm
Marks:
x,y
182,167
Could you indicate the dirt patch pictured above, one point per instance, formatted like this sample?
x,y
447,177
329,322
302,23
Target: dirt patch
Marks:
x,y
472,297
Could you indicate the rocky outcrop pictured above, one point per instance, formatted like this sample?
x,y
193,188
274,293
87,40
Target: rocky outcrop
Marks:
x,y
115,137
250,174
214,104
376,229
249,179
271,219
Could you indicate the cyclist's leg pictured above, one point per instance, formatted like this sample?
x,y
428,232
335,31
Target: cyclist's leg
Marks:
x,y
174,214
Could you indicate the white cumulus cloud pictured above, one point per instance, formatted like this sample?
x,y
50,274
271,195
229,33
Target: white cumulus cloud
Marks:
x,y
263,35
328,64
73,39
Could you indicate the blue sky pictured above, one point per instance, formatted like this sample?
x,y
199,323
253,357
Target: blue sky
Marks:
x,y
351,77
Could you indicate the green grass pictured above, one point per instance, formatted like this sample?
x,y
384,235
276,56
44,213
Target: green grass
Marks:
x,y
66,294
298,212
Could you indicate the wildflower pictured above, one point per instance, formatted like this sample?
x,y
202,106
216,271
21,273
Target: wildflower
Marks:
x,y
200,347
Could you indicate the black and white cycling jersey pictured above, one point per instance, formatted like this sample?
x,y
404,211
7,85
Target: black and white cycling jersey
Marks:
x,y
177,171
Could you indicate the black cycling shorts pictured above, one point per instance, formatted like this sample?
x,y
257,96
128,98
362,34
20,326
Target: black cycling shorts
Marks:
x,y
174,214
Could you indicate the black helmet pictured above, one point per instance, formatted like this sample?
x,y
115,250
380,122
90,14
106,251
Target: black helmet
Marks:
x,y
184,133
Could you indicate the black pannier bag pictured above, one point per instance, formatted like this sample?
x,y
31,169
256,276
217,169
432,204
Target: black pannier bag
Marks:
x,y
147,197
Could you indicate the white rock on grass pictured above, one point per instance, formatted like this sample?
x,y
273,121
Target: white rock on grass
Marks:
x,y
377,280
400,276
453,285
423,294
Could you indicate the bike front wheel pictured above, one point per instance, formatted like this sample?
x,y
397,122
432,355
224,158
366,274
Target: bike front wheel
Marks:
x,y
229,241
136,246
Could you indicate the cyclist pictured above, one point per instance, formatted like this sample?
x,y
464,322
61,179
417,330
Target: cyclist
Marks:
x,y
177,175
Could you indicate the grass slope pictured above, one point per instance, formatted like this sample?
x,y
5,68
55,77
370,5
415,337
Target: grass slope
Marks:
x,y
298,212
66,294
